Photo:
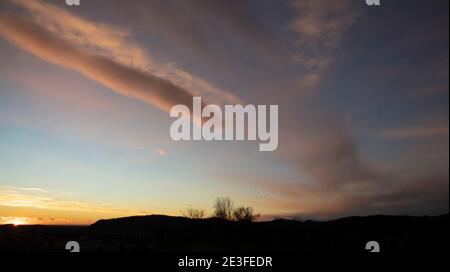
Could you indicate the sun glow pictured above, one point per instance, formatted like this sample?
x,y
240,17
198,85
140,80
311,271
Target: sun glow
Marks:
x,y
17,221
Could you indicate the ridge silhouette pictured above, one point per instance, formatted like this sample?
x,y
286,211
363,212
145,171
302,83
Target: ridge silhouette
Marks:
x,y
159,233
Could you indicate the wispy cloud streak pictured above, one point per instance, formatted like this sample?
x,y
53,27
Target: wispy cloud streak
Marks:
x,y
105,54
124,80
45,199
415,132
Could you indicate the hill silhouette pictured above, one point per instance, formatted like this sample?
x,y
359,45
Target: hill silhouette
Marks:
x,y
157,233
350,234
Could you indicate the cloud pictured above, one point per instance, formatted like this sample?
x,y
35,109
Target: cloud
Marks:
x,y
161,152
335,180
320,25
415,132
111,46
46,199
118,77
322,22
30,220
101,39
30,189
427,195
324,149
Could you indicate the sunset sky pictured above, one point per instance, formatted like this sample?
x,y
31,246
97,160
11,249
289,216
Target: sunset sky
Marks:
x,y
85,93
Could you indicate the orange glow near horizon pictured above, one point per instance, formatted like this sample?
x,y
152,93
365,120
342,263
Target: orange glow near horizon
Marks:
x,y
17,221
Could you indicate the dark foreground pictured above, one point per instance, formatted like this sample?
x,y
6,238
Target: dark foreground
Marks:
x,y
175,234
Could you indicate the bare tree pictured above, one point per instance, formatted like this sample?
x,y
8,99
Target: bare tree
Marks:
x,y
244,214
194,213
224,208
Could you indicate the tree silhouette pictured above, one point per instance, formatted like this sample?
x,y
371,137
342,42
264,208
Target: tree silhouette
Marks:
x,y
194,213
244,214
224,208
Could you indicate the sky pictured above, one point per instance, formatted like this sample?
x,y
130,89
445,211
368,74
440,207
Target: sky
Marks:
x,y
85,95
